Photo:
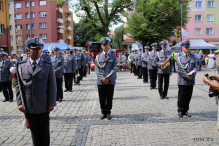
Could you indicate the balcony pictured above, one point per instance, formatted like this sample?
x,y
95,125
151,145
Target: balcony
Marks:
x,y
68,19
60,10
68,37
60,31
61,41
68,28
59,20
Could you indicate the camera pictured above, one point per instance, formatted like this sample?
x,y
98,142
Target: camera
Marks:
x,y
206,74
212,92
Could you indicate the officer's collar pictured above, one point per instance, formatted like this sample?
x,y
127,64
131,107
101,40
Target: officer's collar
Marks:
x,y
184,54
37,61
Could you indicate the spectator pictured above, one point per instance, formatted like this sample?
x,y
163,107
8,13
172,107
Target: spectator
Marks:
x,y
124,64
198,59
206,60
211,62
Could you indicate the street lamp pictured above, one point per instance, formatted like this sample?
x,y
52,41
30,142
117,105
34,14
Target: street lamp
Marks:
x,y
181,3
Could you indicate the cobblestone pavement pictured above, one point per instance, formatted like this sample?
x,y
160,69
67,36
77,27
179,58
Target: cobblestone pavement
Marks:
x,y
139,117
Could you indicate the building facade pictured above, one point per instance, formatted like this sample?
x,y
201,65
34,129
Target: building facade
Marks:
x,y
5,43
44,19
12,26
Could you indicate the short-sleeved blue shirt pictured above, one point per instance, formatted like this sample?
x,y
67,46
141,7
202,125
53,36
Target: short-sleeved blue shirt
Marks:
x,y
198,55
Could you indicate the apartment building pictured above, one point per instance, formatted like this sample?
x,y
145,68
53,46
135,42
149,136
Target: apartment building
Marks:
x,y
44,19
5,43
12,26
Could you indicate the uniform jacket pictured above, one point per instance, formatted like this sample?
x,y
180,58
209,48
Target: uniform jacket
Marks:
x,y
46,57
58,65
152,60
160,57
5,71
139,60
25,57
106,67
70,63
42,92
79,60
85,61
131,57
89,59
184,65
135,60
144,58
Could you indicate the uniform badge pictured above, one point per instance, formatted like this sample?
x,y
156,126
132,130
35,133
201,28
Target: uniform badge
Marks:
x,y
37,40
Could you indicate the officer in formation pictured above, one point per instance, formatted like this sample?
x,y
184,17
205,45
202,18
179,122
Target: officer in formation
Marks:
x,y
173,58
186,68
89,62
58,66
135,62
131,57
85,63
163,74
106,67
69,69
80,67
75,51
144,58
14,58
26,56
153,66
6,77
45,57
36,92
139,63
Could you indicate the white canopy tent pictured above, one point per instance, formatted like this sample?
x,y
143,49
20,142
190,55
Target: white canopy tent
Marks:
x,y
196,44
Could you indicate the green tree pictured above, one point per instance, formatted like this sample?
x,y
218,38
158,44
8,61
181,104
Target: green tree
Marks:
x,y
174,43
154,20
100,14
83,33
118,37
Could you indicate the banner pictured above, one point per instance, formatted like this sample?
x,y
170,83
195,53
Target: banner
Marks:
x,y
185,35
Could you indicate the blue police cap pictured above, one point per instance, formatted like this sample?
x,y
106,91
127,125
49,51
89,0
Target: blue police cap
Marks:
x,y
14,54
4,54
113,51
154,45
140,49
186,43
163,43
132,50
75,49
79,49
26,49
87,52
105,40
61,52
56,48
34,43
52,51
84,51
136,49
67,48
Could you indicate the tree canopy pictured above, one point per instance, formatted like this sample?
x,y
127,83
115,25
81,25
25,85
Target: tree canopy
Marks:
x,y
155,20
118,37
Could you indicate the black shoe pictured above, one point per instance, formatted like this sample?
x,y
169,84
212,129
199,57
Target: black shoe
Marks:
x,y
187,114
0,90
165,97
161,97
139,78
57,99
154,88
60,100
11,100
144,82
70,90
65,90
103,116
151,88
180,114
109,117
5,100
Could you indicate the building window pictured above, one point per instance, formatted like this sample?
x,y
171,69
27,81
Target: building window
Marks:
x,y
17,5
33,26
42,14
210,3
198,17
10,17
19,38
210,17
1,6
27,4
1,29
28,37
198,31
27,15
42,3
27,26
33,15
43,25
18,27
11,38
9,5
33,35
198,4
209,30
19,48
10,27
43,36
32,4
18,16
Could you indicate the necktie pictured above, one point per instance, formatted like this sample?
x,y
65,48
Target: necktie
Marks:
x,y
186,55
34,65
3,62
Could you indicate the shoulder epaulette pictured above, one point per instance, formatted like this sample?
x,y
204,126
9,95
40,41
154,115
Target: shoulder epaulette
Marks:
x,y
47,62
22,62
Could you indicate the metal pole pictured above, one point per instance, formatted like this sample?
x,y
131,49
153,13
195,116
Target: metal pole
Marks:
x,y
30,19
181,3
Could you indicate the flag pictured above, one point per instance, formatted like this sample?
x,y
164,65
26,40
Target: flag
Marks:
x,y
185,35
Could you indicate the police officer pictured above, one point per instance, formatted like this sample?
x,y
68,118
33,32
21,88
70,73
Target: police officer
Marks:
x,y
69,69
106,67
131,57
6,77
89,61
45,57
173,58
27,55
14,57
153,66
139,63
52,54
58,65
144,59
81,69
85,63
36,92
186,68
135,62
163,74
